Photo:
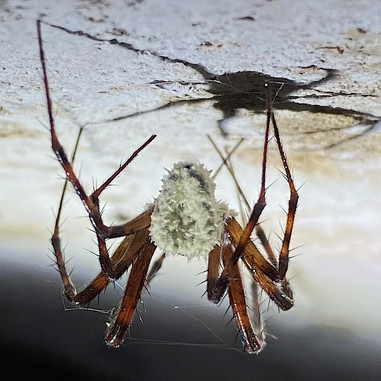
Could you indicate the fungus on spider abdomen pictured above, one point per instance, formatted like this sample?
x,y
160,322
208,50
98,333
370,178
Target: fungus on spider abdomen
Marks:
x,y
187,219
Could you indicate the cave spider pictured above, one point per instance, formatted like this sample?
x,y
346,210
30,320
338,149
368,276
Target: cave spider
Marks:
x,y
185,218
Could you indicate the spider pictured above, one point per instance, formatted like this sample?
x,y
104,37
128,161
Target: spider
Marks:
x,y
185,218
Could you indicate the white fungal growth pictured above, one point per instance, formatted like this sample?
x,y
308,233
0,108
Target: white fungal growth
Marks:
x,y
187,219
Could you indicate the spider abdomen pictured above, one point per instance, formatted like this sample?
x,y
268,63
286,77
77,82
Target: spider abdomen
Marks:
x,y
187,219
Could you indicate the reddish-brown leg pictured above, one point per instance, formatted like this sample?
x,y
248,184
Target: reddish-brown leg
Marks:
x,y
135,249
282,298
264,273
258,326
244,239
266,245
154,269
284,287
267,282
237,302
259,231
214,261
292,205
118,326
124,255
91,203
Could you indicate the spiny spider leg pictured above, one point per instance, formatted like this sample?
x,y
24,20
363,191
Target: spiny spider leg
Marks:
x,y
118,326
100,282
154,270
285,292
237,300
282,297
262,271
261,274
292,205
251,330
266,245
120,260
261,202
257,324
244,238
213,271
125,254
91,203
258,229
251,251
68,286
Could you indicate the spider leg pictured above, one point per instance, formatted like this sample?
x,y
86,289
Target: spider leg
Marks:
x,y
264,273
292,205
214,259
266,245
250,251
121,260
100,282
244,238
237,302
154,270
118,326
91,203
284,284
261,202
258,325
68,286
259,231
281,296
140,222
251,255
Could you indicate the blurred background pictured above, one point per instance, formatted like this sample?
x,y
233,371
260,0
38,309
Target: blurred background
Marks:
x,y
182,70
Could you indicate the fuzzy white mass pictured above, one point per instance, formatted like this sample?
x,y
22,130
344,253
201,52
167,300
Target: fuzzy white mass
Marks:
x,y
187,219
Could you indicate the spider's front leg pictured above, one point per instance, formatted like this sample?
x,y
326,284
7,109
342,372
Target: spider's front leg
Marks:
x,y
124,255
91,203
292,205
136,280
269,273
237,301
236,293
242,241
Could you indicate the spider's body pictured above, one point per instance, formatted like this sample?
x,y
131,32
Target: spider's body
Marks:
x,y
187,219
184,219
